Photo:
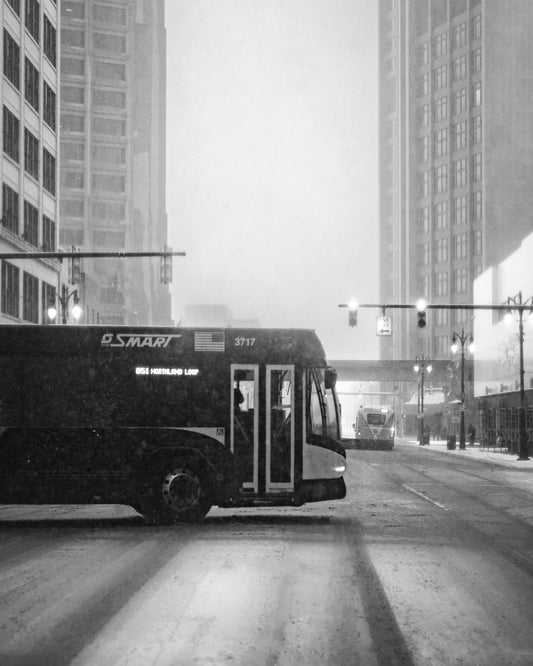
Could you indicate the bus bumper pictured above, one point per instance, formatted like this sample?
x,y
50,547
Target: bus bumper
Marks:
x,y
317,490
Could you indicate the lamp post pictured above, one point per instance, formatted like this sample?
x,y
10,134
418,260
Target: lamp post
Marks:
x,y
463,339
422,364
63,299
522,432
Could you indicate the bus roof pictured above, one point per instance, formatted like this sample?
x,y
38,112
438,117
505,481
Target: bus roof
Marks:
x,y
274,345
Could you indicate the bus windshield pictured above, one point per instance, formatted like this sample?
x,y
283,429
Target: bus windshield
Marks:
x,y
376,419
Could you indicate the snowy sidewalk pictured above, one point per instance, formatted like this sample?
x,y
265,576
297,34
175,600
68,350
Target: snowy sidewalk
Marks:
x,y
500,458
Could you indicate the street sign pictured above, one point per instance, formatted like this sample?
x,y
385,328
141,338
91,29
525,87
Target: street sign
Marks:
x,y
383,325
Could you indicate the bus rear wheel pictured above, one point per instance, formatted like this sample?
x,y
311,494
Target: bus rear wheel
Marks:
x,y
176,495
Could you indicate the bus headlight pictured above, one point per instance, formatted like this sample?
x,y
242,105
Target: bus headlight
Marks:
x,y
340,469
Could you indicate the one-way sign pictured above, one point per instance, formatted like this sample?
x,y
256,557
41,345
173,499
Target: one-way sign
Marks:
x,y
383,325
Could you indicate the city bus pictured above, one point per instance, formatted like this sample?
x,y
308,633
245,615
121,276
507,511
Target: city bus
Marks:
x,y
170,421
374,428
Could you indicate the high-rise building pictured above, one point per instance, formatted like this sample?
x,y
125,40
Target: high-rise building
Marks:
x,y
456,156
29,195
112,166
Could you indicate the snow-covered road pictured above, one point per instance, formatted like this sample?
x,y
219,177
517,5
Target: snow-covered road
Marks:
x,y
429,560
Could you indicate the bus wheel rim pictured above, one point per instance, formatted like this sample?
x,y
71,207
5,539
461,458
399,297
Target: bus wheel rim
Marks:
x,y
181,490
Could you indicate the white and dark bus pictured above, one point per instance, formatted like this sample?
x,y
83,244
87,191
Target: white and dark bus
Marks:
x,y
170,421
374,428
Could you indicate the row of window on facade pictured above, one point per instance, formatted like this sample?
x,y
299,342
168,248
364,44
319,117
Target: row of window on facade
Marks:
x,y
29,231
75,67
20,295
447,283
441,12
12,48
456,135
460,248
32,153
109,127
111,239
456,38
458,103
459,212
113,44
102,13
459,71
439,175
100,97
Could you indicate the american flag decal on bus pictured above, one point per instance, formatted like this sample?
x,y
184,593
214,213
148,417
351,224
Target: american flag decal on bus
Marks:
x,y
209,342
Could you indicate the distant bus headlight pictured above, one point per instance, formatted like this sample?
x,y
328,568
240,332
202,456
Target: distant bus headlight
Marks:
x,y
340,469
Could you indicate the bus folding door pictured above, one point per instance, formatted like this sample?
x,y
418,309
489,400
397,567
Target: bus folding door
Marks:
x,y
244,429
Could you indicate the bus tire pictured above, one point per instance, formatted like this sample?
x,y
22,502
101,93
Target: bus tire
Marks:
x,y
174,493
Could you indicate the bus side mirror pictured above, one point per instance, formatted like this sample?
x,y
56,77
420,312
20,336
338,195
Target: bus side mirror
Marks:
x,y
330,378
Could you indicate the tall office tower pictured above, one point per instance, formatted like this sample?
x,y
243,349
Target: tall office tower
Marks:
x,y
112,166
30,144
456,156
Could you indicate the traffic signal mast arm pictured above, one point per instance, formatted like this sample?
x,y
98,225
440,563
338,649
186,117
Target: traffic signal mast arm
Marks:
x,y
443,306
87,255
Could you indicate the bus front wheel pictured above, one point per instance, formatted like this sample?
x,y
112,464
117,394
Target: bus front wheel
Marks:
x,y
177,494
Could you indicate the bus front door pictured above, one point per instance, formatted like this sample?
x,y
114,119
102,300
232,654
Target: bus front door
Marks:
x,y
267,437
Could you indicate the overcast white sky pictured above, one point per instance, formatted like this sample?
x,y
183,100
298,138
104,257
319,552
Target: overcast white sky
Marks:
x,y
272,162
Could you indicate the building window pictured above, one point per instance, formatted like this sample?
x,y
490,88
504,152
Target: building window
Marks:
x,y
441,215
476,60
459,210
73,10
112,44
459,101
440,77
10,289
441,178
49,172
459,35
477,242
459,172
110,70
459,246
72,208
423,148
475,168
73,38
423,219
31,153
441,317
476,93
15,5
73,152
422,85
49,235
109,126
422,54
111,98
476,206
460,281
73,94
475,130
32,18
11,60
441,284
10,209
31,84
10,135
423,254
72,66
441,250
459,135
422,115
440,45
459,68
440,108
49,41
440,138
72,123
109,155
30,298
109,182
109,15
74,180
442,345
31,224
49,106
48,298
423,184
475,27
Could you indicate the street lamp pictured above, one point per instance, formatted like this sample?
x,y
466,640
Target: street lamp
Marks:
x,y
422,365
522,432
463,339
63,299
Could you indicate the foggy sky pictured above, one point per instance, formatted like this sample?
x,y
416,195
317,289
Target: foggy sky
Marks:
x,y
272,162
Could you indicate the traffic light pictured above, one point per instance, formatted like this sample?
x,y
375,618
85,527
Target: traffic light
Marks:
x,y
165,266
421,307
75,267
352,314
